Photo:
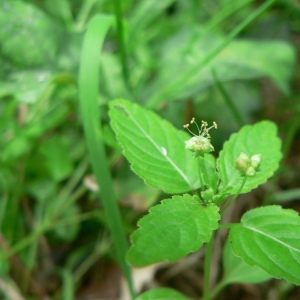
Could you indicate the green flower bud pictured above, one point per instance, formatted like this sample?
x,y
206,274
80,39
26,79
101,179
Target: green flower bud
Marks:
x,y
243,162
250,171
248,166
207,195
255,161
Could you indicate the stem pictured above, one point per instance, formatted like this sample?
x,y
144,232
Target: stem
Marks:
x,y
231,105
207,269
217,289
154,102
200,170
235,196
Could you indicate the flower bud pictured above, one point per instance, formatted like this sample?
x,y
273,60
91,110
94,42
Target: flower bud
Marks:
x,y
243,162
255,161
248,166
250,171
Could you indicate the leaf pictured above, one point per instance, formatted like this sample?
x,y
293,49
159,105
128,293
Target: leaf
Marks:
x,y
57,159
260,138
269,238
162,294
154,148
28,37
140,17
241,59
172,230
210,176
236,270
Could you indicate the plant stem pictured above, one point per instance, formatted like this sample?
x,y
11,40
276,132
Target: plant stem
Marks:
x,y
231,105
207,269
217,289
235,196
200,170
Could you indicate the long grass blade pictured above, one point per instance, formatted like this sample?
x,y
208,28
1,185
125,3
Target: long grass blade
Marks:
x,y
88,94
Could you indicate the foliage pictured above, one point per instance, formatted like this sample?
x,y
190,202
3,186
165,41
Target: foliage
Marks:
x,y
173,60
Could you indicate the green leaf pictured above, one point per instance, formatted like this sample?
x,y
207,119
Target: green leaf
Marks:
x,y
28,37
31,84
260,138
161,294
236,270
57,159
154,148
241,59
172,230
210,176
269,238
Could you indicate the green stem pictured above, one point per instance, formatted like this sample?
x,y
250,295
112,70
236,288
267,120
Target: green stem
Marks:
x,y
234,110
235,196
217,289
200,170
121,41
207,268
154,102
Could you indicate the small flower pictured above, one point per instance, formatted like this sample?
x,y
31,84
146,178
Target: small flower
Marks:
x,y
200,144
248,166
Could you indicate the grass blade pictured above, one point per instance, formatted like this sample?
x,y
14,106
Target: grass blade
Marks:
x,y
88,94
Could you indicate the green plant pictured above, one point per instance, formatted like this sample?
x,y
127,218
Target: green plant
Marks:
x,y
267,237
212,57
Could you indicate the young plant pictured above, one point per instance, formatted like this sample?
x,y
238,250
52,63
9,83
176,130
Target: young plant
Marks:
x,y
265,244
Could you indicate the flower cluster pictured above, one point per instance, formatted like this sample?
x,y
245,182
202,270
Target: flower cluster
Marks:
x,y
248,166
200,144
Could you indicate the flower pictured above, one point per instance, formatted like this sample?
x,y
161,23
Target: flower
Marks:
x,y
200,144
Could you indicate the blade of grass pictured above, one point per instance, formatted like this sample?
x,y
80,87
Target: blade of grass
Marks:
x,y
88,94
234,110
225,13
172,87
292,130
84,13
121,42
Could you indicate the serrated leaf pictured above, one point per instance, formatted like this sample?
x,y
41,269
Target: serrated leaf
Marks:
x,y
260,138
269,237
162,294
154,148
172,229
236,270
